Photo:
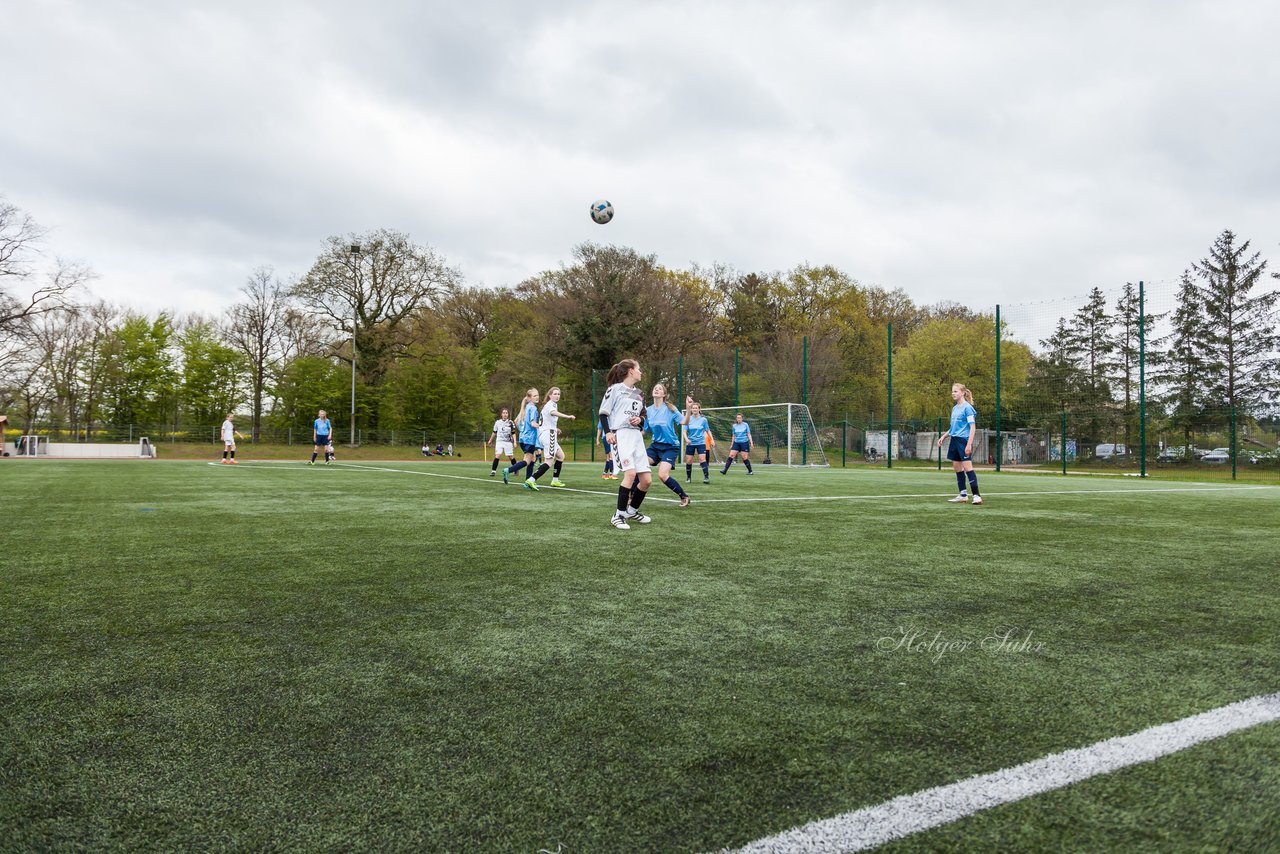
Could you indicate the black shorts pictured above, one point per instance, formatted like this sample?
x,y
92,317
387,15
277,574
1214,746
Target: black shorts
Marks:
x,y
531,448
321,441
955,452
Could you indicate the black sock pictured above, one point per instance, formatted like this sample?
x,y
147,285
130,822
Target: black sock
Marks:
x,y
624,496
555,472
519,465
328,455
233,455
637,495
542,469
960,481
973,482
688,470
224,455
728,463
706,470
674,486
314,455
495,464
747,463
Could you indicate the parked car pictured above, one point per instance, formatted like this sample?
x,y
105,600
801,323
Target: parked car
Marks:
x,y
1172,454
1108,451
1261,457
1217,455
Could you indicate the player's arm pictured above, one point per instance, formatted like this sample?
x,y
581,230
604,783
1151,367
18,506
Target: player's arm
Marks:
x,y
972,418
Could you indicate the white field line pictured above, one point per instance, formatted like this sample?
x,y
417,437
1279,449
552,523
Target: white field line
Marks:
x,y
908,814
767,499
986,494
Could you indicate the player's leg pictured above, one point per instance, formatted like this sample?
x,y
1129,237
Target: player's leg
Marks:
x,y
706,470
746,461
671,483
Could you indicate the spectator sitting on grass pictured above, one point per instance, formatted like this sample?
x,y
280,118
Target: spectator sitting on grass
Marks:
x,y
439,450
426,449
449,450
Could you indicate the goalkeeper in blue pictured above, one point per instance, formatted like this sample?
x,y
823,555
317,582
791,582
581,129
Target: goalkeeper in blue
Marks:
x,y
964,419
663,422
742,444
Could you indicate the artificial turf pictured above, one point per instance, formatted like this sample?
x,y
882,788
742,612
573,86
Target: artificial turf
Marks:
x,y
375,656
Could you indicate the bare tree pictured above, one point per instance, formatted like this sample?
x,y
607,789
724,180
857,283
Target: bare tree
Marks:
x,y
257,328
20,238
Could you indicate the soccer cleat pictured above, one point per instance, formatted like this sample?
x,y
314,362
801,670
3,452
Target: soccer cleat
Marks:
x,y
959,499
619,523
977,499
313,462
684,501
234,463
604,477
555,481
505,472
706,480
328,462
492,472
530,483
226,462
639,518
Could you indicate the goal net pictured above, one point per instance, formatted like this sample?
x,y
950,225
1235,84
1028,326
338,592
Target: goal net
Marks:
x,y
784,433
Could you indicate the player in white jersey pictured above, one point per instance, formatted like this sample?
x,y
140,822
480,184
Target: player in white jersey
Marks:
x,y
548,435
502,438
621,416
229,434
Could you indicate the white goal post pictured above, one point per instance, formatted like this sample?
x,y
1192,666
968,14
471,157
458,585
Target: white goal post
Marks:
x,y
33,446
784,433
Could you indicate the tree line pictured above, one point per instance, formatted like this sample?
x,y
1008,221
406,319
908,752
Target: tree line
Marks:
x,y
435,354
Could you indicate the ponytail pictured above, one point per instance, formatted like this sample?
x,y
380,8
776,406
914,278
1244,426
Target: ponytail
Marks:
x,y
619,372
965,393
528,398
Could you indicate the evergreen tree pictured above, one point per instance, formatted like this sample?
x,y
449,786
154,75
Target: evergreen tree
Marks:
x,y
1240,356
1182,367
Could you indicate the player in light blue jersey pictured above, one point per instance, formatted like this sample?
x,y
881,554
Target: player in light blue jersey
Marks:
x,y
528,424
699,439
321,438
664,421
964,420
742,444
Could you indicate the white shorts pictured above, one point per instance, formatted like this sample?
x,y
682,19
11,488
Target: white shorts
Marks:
x,y
230,446
503,449
632,455
547,443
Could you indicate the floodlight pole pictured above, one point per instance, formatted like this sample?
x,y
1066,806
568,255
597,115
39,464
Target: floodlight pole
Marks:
x,y
354,251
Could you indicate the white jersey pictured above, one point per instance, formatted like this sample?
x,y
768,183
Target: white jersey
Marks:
x,y
502,428
550,416
228,432
621,404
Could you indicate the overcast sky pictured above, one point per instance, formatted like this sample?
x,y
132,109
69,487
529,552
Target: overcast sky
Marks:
x,y
979,152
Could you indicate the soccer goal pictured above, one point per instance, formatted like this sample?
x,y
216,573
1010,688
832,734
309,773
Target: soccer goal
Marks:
x,y
784,433
33,446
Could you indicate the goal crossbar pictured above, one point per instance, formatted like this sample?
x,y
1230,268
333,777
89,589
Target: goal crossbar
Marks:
x,y
786,430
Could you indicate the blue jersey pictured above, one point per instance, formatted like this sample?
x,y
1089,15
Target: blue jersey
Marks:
x,y
529,433
664,425
741,432
322,427
963,417
697,429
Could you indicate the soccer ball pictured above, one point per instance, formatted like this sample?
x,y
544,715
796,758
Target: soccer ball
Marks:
x,y
601,211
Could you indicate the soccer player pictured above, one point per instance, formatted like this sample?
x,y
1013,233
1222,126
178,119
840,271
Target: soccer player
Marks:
x,y
964,419
503,430
621,415
321,430
229,434
527,422
663,420
700,437
608,473
742,444
549,437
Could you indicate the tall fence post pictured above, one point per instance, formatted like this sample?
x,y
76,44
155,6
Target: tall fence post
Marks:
x,y
1142,381
1063,439
804,373
888,454
1234,451
999,441
680,379
844,442
735,377
595,418
939,443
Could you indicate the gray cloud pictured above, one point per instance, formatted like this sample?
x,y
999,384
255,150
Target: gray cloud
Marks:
x,y
978,152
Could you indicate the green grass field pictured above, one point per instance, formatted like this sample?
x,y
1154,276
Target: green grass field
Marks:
x,y
410,656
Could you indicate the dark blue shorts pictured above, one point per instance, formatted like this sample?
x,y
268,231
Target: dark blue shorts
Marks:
x,y
956,453
663,454
744,447
322,440
695,450
531,448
